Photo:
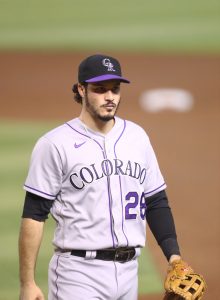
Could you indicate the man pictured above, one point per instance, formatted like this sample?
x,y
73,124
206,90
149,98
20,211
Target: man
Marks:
x,y
99,178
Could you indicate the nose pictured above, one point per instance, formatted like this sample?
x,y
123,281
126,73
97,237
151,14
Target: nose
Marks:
x,y
109,95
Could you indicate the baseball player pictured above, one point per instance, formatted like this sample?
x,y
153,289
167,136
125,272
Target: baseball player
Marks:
x,y
98,176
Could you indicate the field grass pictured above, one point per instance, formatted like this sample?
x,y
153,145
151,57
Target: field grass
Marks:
x,y
16,142
141,25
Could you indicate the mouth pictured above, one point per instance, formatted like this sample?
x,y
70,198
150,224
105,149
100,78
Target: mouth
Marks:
x,y
109,105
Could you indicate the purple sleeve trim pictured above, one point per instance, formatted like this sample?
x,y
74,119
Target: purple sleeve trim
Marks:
x,y
164,184
31,188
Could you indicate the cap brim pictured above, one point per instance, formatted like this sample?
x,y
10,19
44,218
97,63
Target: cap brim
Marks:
x,y
107,77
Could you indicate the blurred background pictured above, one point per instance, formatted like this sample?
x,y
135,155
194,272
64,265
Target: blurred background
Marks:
x,y
170,50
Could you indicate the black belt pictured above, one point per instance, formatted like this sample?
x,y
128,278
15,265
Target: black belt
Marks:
x,y
118,254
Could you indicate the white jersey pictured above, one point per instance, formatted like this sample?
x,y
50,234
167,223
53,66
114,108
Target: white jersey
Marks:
x,y
99,183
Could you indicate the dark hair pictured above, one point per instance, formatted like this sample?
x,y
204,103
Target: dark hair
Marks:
x,y
77,97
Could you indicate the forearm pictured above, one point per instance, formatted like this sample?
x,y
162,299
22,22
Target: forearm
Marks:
x,y
161,223
30,237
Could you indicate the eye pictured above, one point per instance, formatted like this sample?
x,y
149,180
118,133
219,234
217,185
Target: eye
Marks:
x,y
99,90
116,89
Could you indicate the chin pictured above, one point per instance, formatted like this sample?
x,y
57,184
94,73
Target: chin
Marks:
x,y
106,118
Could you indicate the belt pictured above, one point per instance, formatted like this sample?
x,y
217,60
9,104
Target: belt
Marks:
x,y
121,255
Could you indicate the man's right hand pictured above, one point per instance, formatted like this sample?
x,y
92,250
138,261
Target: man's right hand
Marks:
x,y
31,292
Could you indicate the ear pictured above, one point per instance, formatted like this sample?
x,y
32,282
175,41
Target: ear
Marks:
x,y
81,90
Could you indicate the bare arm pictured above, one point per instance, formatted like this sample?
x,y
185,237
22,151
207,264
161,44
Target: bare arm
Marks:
x,y
31,233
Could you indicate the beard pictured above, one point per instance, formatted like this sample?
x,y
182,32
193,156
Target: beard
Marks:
x,y
94,111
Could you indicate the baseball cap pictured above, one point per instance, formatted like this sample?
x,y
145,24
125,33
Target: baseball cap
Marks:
x,y
100,67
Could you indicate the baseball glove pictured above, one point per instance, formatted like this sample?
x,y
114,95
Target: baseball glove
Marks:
x,y
182,283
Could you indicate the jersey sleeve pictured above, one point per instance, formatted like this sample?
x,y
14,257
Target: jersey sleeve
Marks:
x,y
154,181
45,171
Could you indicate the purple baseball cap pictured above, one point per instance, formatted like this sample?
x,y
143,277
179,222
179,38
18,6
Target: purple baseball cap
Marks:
x,y
100,67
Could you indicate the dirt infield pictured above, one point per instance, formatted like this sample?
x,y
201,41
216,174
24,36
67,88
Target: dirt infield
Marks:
x,y
38,86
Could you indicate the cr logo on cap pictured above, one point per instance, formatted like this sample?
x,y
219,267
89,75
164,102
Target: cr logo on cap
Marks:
x,y
107,63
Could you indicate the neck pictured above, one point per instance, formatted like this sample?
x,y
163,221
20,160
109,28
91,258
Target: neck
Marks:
x,y
96,124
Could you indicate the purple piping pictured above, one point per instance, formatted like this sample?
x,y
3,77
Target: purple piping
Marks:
x,y
84,135
109,196
109,203
76,130
39,191
120,181
56,280
155,189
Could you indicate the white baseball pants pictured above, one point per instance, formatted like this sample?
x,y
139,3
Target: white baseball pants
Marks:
x,y
76,278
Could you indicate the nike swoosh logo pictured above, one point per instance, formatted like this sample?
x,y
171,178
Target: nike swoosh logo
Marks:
x,y
79,145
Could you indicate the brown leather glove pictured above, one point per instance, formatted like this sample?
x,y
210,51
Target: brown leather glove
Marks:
x,y
183,283
172,296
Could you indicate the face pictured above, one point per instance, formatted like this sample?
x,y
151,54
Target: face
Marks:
x,y
101,99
